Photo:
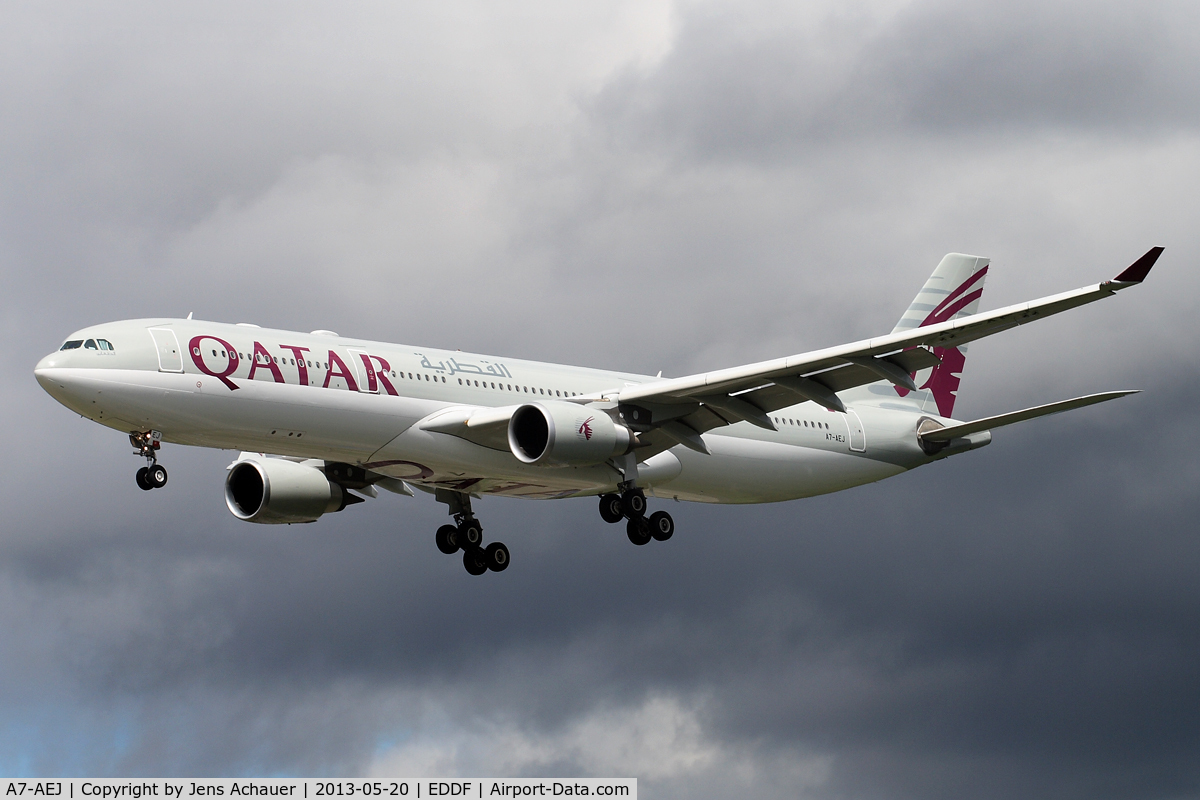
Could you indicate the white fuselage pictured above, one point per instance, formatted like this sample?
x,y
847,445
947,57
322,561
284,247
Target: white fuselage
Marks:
x,y
323,396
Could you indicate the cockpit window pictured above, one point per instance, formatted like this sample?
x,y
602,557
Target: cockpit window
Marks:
x,y
74,344
105,344
90,344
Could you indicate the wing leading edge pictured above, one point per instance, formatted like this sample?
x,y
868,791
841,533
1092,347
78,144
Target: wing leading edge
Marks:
x,y
683,408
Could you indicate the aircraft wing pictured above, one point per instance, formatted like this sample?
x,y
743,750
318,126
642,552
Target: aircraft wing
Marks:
x,y
683,408
482,425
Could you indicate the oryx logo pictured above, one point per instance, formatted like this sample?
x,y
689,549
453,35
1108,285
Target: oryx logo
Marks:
x,y
944,379
586,428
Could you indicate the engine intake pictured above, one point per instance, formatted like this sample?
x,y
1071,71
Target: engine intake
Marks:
x,y
276,491
565,434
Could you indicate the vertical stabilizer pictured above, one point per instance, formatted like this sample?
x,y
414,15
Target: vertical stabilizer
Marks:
x,y
952,291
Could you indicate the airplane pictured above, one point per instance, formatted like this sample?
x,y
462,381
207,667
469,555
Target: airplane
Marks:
x,y
342,418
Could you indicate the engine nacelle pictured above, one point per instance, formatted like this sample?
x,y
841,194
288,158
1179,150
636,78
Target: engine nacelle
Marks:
x,y
276,491
556,434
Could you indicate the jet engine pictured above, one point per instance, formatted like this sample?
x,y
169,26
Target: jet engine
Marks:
x,y
556,434
275,491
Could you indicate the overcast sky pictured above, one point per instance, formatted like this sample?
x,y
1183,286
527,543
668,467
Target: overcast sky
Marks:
x,y
631,185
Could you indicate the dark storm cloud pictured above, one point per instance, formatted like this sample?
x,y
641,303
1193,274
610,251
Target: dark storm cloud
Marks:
x,y
1020,620
736,86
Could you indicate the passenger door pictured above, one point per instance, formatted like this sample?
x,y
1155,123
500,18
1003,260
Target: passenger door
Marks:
x,y
858,436
364,370
170,358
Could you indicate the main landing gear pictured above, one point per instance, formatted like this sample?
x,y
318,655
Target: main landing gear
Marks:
x,y
466,534
630,505
146,444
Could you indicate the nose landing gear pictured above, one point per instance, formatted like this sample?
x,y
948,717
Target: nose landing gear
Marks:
x,y
467,535
153,475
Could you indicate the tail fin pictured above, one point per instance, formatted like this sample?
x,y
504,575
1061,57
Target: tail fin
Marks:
x,y
952,291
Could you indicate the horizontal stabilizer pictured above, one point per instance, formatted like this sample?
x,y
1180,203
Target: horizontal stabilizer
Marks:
x,y
967,428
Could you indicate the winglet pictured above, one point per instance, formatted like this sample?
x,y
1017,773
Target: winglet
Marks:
x,y
1138,270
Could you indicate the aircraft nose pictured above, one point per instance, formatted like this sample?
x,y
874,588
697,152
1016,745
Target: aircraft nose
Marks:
x,y
42,370
50,373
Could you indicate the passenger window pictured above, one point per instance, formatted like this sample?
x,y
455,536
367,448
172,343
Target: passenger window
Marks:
x,y
90,344
74,344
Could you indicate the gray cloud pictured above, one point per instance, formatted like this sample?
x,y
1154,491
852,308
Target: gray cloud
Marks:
x,y
655,187
754,82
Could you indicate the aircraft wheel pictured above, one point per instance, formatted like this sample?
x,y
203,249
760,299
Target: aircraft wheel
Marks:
x,y
446,539
470,534
611,508
634,503
157,476
662,527
496,556
475,560
638,531
143,481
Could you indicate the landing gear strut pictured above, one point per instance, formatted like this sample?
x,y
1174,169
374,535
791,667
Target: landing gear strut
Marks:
x,y
146,444
466,534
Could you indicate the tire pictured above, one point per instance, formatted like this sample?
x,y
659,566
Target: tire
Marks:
x,y
475,561
612,510
638,531
157,476
662,527
142,480
497,557
470,534
634,503
446,539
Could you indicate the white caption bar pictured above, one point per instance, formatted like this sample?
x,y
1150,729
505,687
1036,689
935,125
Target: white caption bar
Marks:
x,y
106,789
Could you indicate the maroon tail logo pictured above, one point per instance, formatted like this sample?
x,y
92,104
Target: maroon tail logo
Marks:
x,y
586,428
943,381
